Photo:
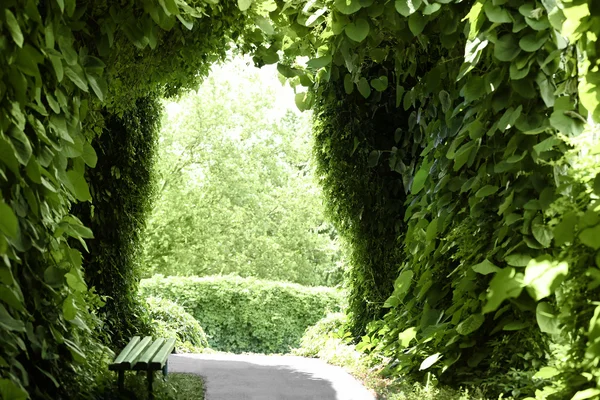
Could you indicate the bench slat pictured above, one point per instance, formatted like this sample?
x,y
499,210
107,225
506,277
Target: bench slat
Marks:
x,y
162,354
135,353
124,353
144,359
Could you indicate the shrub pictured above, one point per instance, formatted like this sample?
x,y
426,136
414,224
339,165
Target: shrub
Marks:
x,y
330,340
327,340
170,320
247,314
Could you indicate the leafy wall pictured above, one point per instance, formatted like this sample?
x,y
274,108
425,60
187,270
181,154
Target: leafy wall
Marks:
x,y
122,186
70,72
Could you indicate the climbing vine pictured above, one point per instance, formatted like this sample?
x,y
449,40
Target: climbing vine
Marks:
x,y
465,120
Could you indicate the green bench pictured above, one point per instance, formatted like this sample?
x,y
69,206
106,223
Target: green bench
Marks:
x,y
143,355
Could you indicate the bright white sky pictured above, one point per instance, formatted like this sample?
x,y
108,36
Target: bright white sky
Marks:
x,y
269,78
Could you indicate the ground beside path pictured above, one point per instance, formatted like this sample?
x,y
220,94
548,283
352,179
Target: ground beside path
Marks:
x,y
260,377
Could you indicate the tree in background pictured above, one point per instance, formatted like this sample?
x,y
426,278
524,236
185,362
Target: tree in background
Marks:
x,y
237,193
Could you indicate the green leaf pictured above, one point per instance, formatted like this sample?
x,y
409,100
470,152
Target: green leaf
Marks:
x,y
98,85
416,23
13,27
348,84
564,231
77,76
407,7
485,191
54,276
471,324
380,84
373,159
28,59
432,230
546,373
364,88
586,394
58,67
429,361
403,283
565,124
170,7
485,267
80,186
533,41
9,225
515,326
507,283
265,25
399,94
12,297
497,14
407,336
9,323
543,277
506,48
21,144
596,184
509,118
69,308
473,89
12,390
591,237
419,180
462,155
75,282
506,203
541,232
358,30
76,352
319,62
89,155
546,318
347,7
445,100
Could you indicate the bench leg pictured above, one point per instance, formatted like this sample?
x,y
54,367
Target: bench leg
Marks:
x,y
150,381
121,380
165,370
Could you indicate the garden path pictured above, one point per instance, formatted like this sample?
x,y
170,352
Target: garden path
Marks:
x,y
261,377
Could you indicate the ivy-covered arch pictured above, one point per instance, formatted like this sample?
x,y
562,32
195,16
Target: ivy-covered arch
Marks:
x,y
456,141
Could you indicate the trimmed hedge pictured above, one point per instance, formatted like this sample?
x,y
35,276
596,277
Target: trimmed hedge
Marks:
x,y
247,314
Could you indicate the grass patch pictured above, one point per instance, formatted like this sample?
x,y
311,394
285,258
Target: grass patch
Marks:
x,y
187,386
177,386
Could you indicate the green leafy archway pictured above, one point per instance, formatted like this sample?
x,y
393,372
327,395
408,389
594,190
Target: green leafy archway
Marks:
x,y
456,140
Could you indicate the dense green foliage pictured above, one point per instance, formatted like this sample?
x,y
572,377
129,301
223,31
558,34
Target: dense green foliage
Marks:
x,y
64,68
123,176
245,201
330,340
247,315
170,320
498,227
496,237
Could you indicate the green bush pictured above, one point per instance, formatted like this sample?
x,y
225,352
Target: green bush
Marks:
x,y
170,320
247,314
327,340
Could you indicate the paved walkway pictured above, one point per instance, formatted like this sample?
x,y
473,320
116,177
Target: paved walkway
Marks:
x,y
259,377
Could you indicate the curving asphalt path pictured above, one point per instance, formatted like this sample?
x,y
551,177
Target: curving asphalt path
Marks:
x,y
260,377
